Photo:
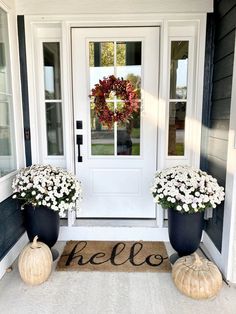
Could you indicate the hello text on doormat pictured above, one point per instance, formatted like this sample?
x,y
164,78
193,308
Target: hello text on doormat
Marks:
x,y
123,256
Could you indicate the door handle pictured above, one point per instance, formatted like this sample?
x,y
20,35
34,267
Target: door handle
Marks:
x,y
79,141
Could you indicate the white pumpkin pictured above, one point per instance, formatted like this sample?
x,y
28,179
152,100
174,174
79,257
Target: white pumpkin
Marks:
x,y
196,277
35,263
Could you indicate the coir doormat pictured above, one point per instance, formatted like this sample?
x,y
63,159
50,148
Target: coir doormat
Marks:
x,y
114,256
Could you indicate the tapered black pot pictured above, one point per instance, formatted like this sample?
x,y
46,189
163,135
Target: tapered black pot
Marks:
x,y
185,231
43,222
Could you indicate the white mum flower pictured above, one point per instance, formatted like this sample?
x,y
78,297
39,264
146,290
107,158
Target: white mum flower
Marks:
x,y
185,207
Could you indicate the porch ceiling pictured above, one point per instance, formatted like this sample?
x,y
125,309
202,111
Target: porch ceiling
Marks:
x,y
111,6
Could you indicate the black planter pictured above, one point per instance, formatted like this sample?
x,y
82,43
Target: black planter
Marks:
x,y
185,231
43,222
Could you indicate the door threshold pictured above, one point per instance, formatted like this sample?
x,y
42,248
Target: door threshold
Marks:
x,y
117,222
104,232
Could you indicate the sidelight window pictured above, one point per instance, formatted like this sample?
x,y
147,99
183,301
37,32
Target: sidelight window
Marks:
x,y
178,97
53,98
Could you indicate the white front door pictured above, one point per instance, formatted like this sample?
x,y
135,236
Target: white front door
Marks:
x,y
116,165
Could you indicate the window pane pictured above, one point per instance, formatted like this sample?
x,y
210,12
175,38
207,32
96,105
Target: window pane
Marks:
x,y
7,140
179,70
128,60
102,138
54,128
101,61
128,136
101,54
52,75
177,113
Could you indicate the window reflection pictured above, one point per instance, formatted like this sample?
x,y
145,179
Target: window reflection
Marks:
x,y
177,113
128,136
102,138
101,54
52,87
7,140
54,129
179,70
52,75
5,143
178,90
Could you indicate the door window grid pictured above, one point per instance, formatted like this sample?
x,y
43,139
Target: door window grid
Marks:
x,y
119,58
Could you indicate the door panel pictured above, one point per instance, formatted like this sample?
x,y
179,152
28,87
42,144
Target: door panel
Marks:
x,y
118,163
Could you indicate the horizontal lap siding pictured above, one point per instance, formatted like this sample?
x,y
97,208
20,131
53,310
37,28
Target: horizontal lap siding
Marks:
x,y
11,225
218,107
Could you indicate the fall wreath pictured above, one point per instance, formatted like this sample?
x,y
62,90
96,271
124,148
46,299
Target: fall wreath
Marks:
x,y
123,90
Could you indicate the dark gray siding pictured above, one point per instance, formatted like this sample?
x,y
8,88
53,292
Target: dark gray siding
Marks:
x,y
216,109
11,225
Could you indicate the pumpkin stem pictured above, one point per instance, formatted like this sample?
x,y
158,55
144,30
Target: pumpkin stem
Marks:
x,y
197,259
34,244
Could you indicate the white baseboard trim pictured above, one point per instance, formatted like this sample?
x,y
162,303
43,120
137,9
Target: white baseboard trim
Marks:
x,y
113,233
11,256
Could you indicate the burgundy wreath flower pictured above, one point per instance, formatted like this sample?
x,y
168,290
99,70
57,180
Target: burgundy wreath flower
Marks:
x,y
120,88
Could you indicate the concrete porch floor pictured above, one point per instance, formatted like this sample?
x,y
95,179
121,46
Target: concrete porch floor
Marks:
x,y
106,293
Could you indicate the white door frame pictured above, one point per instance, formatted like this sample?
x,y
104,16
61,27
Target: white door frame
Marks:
x,y
61,25
167,22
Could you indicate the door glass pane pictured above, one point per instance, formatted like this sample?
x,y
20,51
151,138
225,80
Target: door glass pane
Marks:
x,y
52,70
7,140
52,87
177,113
101,61
128,136
102,137
122,59
179,70
54,128
128,60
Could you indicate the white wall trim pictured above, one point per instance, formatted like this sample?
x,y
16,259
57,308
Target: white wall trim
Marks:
x,y
211,249
229,227
11,256
4,6
96,19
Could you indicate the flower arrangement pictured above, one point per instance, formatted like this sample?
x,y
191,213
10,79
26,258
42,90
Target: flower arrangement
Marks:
x,y
46,185
186,189
110,87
